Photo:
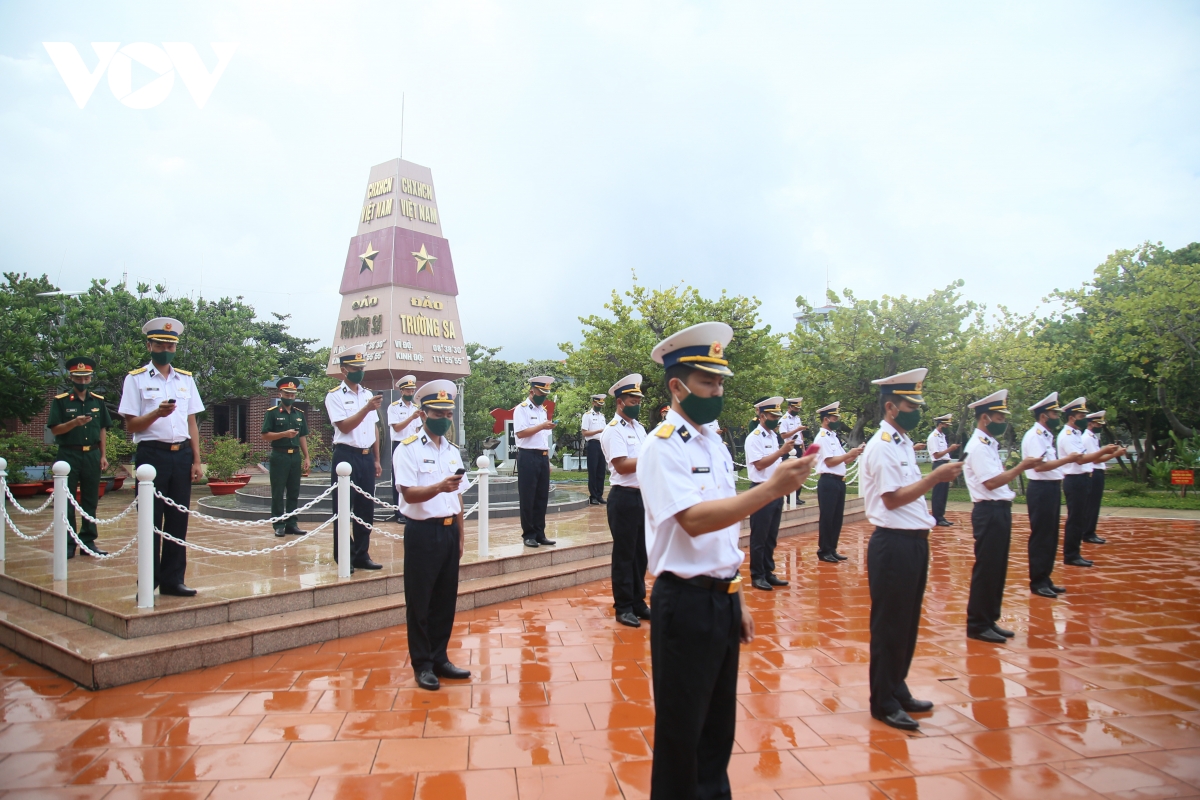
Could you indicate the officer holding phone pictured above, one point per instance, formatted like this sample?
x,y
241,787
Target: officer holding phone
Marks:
x,y
532,426
79,420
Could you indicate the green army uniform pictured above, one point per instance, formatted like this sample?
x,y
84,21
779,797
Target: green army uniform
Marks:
x,y
80,447
286,463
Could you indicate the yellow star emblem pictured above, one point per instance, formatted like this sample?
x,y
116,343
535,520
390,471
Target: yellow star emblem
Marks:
x,y
368,259
424,260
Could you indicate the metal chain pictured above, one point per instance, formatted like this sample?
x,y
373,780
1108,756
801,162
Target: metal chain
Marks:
x,y
219,552
385,504
397,536
245,523
9,521
22,508
97,521
105,556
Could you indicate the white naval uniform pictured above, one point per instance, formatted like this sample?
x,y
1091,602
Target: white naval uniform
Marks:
x,y
144,389
788,425
422,463
399,411
1038,442
1070,440
936,443
592,421
1091,444
889,463
622,439
527,415
982,463
827,440
343,403
760,444
677,471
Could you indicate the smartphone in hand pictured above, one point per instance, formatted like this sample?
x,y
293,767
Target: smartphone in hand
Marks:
x,y
812,449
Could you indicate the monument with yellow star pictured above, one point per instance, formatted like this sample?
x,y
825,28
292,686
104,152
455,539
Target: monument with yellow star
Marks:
x,y
399,296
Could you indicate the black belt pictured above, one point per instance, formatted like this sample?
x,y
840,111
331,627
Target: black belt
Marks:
x,y
942,461
633,489
439,522
717,585
533,451
84,447
174,447
1044,480
366,451
824,475
1004,503
921,534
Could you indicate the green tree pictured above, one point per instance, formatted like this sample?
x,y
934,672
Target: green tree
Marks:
x,y
293,354
26,358
497,383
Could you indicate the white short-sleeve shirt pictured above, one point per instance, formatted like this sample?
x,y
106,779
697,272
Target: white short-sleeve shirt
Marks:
x,y
342,403
831,447
592,421
936,443
399,411
1091,444
789,423
889,463
146,388
982,463
1070,440
760,444
526,415
622,439
677,468
422,463
1038,442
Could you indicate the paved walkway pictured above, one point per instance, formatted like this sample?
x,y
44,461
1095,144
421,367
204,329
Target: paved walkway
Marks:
x,y
1098,696
1106,511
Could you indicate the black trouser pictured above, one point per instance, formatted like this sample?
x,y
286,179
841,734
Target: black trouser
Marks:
x,y
173,479
831,500
596,470
941,491
1043,500
897,567
84,476
533,487
1095,500
285,484
764,535
627,524
694,651
395,491
991,523
1079,513
362,475
430,589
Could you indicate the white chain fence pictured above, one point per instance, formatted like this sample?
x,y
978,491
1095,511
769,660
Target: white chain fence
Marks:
x,y
246,523
216,551
96,521
9,521
390,507
102,556
22,508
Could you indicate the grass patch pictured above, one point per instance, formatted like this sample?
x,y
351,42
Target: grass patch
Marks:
x,y
1119,492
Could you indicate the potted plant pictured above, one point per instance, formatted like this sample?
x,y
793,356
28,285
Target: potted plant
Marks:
x,y
226,457
21,452
119,450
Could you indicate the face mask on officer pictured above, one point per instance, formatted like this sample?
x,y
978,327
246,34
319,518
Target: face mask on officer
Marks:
x,y
438,425
355,377
162,358
408,398
701,410
286,402
996,427
538,399
1080,423
632,411
1052,424
770,424
908,420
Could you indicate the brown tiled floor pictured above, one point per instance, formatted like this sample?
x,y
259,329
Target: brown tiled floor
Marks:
x,y
1098,696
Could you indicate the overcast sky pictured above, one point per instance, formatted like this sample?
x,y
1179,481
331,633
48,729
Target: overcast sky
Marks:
x,y
752,147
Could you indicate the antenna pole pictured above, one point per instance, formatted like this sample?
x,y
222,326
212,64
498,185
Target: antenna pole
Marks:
x,y
402,126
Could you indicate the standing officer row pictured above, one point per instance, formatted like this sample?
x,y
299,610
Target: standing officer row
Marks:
x,y
532,427
1077,479
620,443
354,411
286,428
591,426
403,419
1091,444
940,451
832,459
763,453
79,420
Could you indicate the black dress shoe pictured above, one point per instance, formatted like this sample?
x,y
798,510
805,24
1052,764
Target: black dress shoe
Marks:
x,y
294,530
989,636
603,502
914,706
898,719
630,619
829,559
177,591
592,501
531,543
801,502
771,579
642,613
427,680
281,532
1058,589
1005,632
1045,591
448,670
544,542
70,554
1095,540
840,557
945,523
1078,562
365,563
96,551
761,583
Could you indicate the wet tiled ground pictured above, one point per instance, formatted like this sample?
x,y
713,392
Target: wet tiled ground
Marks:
x,y
1098,696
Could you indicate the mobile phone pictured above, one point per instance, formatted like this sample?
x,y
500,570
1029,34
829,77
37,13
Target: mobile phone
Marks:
x,y
460,471
171,401
811,449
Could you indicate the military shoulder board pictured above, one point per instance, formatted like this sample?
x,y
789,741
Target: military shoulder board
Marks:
x,y
887,437
409,440
137,371
665,430
61,396
614,422
97,396
183,372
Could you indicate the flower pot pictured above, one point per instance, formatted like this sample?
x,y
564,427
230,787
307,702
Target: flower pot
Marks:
x,y
26,489
224,487
79,492
48,486
118,482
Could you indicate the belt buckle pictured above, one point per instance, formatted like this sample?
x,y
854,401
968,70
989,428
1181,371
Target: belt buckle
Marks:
x,y
447,521
174,448
85,448
291,451
545,452
366,451
734,585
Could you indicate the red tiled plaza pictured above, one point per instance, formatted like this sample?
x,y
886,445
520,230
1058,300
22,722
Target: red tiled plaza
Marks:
x,y
1098,696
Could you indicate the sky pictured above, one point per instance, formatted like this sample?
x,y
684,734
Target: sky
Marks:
x,y
759,148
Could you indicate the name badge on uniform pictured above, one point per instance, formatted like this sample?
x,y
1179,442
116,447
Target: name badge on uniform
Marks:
x,y
700,470
904,463
430,461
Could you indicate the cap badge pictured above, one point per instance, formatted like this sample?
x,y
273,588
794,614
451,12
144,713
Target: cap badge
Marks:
x,y
166,326
716,350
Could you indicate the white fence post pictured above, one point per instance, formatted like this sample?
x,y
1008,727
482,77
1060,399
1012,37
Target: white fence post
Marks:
x,y
145,535
343,522
3,499
61,469
484,463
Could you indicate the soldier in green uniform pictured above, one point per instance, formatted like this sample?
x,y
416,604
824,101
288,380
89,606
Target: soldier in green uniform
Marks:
x,y
79,420
286,428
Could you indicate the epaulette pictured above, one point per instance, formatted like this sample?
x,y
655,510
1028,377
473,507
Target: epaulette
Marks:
x,y
396,403
887,437
409,440
525,403
334,389
614,422
137,371
664,431
97,396
183,372
684,433
61,396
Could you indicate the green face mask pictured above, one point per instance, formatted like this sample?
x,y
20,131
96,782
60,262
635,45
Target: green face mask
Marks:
x,y
80,387
538,399
355,377
702,410
162,359
438,425
997,429
1081,424
770,424
1053,425
632,411
597,408
406,398
908,420
286,402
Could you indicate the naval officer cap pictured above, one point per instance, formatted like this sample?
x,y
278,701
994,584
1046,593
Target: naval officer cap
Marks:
x,y
288,385
541,383
352,359
830,410
629,386
80,366
770,405
1075,406
994,403
599,397
1097,416
701,346
163,329
407,382
794,403
944,418
437,394
1047,403
906,385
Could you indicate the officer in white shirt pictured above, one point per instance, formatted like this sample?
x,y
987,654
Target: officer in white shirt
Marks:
x,y
1091,444
620,444
763,452
404,419
832,459
354,411
790,424
532,427
898,554
428,471
693,518
940,451
1043,495
159,403
590,427
1077,480
991,516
